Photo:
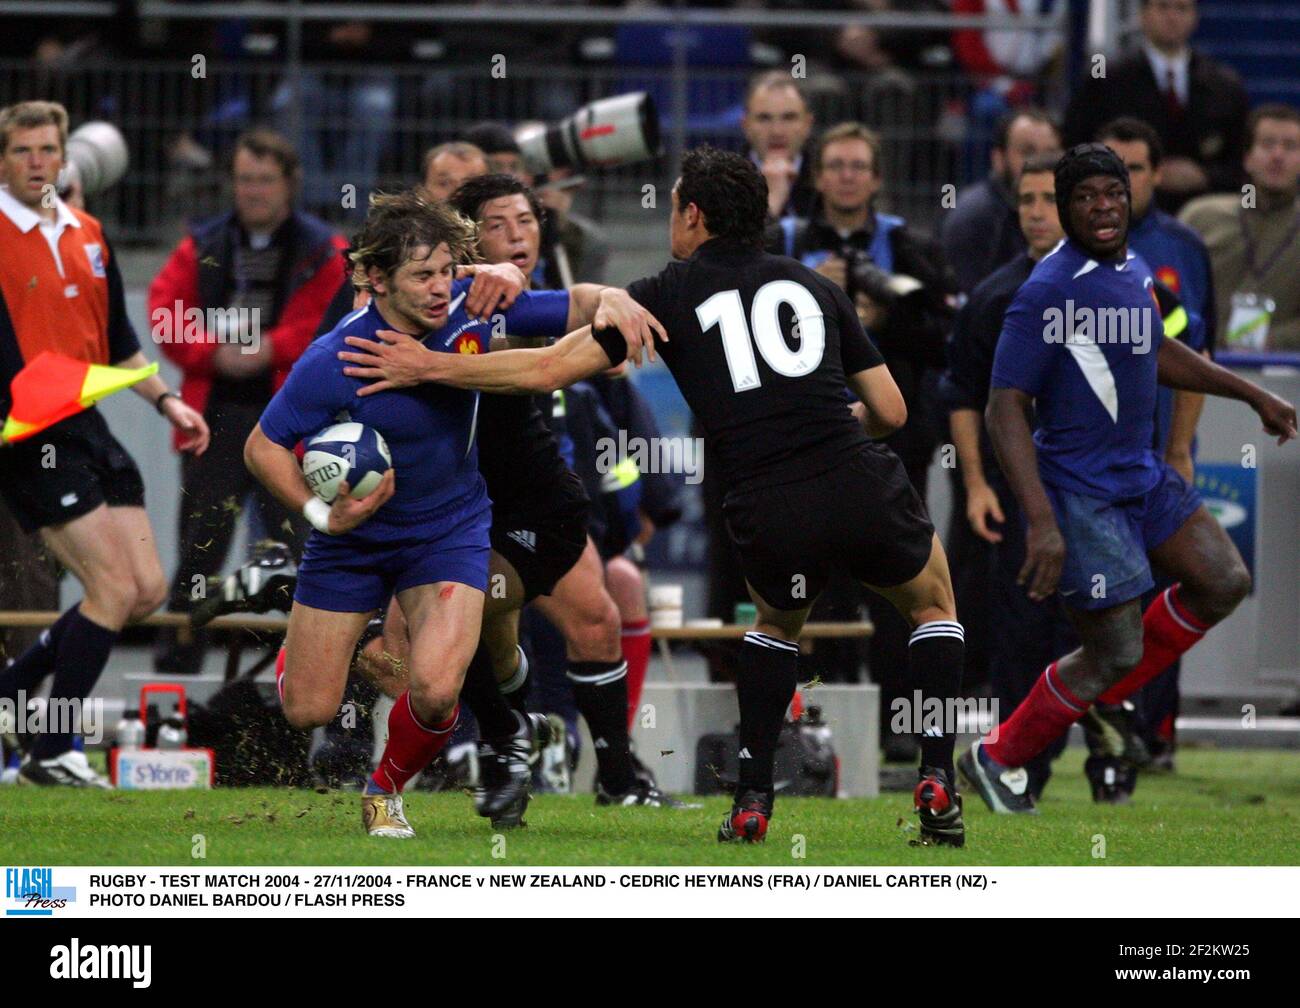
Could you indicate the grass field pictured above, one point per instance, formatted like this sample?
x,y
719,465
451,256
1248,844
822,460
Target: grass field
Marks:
x,y
1222,808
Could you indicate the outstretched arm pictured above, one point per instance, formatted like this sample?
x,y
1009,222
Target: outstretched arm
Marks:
x,y
1180,367
603,307
399,361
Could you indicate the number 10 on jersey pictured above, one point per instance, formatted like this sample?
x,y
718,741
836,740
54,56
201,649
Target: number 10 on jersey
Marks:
x,y
725,309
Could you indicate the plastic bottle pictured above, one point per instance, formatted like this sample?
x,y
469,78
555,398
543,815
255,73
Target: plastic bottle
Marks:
x,y
172,734
130,730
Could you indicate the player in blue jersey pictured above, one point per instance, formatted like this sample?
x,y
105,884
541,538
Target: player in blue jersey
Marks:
x,y
1178,258
1083,349
423,533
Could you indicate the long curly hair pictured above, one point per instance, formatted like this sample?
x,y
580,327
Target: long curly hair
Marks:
x,y
398,224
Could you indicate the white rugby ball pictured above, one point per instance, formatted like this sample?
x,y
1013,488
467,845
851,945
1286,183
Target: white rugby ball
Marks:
x,y
350,452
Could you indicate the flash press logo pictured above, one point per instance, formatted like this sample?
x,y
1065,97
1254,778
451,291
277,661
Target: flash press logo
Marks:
x,y
75,961
31,892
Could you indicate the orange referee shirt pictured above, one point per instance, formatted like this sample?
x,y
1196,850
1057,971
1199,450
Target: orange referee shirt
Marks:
x,y
71,302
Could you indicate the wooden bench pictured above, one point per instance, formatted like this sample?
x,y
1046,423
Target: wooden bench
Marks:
x,y
276,625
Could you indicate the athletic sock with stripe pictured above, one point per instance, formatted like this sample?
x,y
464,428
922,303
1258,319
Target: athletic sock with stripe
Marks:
x,y
936,653
600,690
765,683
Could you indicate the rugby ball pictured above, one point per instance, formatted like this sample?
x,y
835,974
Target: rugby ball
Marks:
x,y
349,452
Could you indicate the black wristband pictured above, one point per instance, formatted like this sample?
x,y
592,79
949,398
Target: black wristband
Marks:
x,y
158,403
612,342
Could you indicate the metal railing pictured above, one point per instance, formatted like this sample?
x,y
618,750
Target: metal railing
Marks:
x,y
361,126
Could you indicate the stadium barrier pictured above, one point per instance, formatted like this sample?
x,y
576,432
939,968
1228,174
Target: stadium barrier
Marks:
x,y
935,119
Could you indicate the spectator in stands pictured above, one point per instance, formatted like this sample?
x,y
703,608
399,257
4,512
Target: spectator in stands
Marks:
x,y
904,294
1027,634
1254,238
341,120
1196,104
777,124
983,230
573,248
262,274
446,166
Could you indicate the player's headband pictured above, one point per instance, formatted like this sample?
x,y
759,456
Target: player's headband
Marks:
x,y
1079,163
1085,161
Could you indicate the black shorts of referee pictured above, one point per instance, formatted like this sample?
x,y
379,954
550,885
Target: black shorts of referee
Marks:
x,y
67,471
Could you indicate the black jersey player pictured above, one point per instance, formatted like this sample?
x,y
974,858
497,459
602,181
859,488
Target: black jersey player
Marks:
x,y
762,349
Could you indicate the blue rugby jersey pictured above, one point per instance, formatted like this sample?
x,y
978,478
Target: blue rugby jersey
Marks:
x,y
429,428
1063,342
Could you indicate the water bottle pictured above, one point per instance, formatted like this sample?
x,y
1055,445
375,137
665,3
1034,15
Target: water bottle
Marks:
x,y
130,730
818,729
818,748
172,734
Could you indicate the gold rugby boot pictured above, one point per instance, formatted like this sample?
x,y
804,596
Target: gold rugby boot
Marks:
x,y
383,817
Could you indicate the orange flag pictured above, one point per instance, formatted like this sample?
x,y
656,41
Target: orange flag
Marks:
x,y
53,387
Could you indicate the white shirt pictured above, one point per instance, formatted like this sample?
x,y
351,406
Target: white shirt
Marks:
x,y
25,218
1162,64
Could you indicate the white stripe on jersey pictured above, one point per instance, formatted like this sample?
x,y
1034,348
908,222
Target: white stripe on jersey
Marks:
x,y
1092,362
1096,372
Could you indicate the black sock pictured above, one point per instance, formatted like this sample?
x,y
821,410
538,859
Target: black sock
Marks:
x,y
34,664
936,653
495,718
765,683
600,689
83,649
515,689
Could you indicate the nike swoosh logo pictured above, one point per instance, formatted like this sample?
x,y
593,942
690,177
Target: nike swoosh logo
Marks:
x,y
456,303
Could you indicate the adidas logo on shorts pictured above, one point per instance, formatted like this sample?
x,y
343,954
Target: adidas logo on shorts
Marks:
x,y
525,538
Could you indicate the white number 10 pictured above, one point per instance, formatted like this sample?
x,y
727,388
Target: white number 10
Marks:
x,y
725,309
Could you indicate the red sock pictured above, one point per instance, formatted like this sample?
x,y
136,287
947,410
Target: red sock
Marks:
x,y
279,675
1168,630
1049,710
636,652
411,745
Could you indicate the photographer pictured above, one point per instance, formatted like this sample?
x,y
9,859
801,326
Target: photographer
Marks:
x,y
903,292
897,279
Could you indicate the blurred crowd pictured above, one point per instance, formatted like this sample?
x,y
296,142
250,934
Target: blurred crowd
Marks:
x,y
370,95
